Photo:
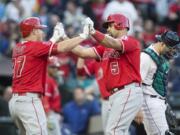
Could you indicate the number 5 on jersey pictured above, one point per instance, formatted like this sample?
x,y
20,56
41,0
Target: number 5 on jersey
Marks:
x,y
114,68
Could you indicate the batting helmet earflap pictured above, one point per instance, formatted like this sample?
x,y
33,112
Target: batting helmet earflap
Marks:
x,y
120,21
28,24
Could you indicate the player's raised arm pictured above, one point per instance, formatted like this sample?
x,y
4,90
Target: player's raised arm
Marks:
x,y
110,40
85,52
107,40
69,44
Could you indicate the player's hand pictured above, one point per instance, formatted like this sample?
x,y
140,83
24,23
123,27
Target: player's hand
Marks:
x,y
58,33
86,32
89,22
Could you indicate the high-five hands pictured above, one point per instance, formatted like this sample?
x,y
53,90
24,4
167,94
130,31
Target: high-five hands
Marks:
x,y
88,28
89,22
59,33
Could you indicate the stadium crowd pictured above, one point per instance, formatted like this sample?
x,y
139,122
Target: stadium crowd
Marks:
x,y
147,18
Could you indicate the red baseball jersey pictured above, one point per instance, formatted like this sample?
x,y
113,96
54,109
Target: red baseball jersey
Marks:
x,y
94,68
52,94
120,67
30,64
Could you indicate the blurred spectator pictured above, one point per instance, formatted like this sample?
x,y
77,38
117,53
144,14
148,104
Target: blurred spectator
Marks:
x,y
146,8
52,98
73,15
161,5
9,36
5,95
2,9
174,16
124,7
28,7
88,11
14,11
52,20
43,15
53,6
174,75
98,7
149,33
175,84
70,31
77,112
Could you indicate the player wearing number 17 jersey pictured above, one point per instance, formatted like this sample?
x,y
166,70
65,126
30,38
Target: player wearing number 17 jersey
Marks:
x,y
29,73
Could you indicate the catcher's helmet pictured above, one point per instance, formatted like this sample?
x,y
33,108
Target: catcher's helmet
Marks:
x,y
28,24
172,40
120,21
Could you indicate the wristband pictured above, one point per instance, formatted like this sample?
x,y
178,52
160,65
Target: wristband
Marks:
x,y
98,36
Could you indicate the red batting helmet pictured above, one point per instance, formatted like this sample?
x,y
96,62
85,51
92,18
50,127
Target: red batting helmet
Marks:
x,y
119,20
28,24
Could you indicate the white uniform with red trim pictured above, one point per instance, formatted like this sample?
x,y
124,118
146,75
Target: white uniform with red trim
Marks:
x,y
122,79
29,77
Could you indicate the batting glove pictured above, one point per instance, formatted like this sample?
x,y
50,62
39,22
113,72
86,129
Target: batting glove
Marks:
x,y
58,33
89,22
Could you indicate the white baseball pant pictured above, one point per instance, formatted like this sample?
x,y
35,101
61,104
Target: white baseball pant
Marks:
x,y
154,115
28,114
124,105
105,112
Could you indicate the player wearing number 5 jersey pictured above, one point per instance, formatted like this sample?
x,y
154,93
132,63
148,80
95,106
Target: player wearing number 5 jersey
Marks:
x,y
29,73
119,56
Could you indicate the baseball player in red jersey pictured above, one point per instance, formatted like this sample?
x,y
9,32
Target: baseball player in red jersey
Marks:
x,y
53,98
119,56
29,73
94,68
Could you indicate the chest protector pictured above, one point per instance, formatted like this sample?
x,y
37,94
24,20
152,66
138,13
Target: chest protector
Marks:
x,y
160,76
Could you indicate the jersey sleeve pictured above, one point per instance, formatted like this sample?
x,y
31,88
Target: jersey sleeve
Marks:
x,y
99,50
129,44
44,49
90,68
